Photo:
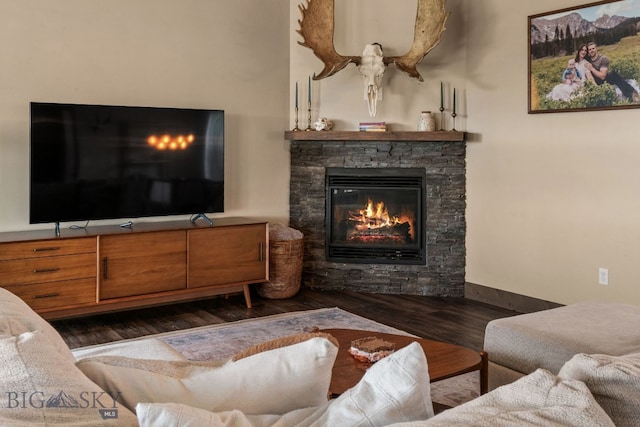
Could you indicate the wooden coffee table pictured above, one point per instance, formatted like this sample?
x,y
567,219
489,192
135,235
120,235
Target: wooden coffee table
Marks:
x,y
444,360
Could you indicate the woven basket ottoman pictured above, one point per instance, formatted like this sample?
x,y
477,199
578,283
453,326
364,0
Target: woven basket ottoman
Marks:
x,y
546,339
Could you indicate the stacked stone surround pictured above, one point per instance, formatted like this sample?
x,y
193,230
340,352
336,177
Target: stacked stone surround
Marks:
x,y
445,224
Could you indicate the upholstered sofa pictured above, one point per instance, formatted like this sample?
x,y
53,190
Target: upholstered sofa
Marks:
x,y
44,383
547,339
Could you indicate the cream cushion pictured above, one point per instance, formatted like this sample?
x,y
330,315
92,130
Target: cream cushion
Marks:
x,y
40,386
549,338
274,381
538,399
614,381
16,317
394,389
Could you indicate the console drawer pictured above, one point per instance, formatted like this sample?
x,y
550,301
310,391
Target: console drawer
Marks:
x,y
47,269
47,248
49,295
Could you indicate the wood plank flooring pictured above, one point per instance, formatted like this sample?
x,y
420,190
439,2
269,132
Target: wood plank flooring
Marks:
x,y
454,320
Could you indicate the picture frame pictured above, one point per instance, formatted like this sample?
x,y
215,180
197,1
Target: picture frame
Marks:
x,y
564,77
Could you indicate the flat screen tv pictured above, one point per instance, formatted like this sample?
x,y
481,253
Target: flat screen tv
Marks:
x,y
92,162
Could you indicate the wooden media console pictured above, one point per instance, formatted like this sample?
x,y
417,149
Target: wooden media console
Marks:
x,y
109,268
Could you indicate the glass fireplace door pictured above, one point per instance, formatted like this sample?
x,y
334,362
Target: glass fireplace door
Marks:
x,y
375,219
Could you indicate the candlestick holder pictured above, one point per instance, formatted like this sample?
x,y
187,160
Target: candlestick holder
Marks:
x,y
296,128
309,119
441,118
453,116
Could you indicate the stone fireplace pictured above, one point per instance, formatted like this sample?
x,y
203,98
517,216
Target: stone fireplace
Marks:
x,y
326,165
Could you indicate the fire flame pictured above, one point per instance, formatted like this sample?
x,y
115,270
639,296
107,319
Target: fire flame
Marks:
x,y
376,215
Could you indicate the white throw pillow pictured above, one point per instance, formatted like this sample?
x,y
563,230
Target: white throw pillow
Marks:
x,y
538,399
41,387
149,348
613,380
181,415
274,381
394,389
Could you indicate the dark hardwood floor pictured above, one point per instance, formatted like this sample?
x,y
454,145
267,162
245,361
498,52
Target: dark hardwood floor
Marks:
x,y
454,320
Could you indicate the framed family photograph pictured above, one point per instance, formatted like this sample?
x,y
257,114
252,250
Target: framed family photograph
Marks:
x,y
585,58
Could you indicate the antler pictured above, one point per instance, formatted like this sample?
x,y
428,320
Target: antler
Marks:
x,y
430,23
316,28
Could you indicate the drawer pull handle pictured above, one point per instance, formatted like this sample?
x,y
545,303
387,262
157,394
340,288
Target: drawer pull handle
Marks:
x,y
261,252
52,248
46,270
105,266
51,295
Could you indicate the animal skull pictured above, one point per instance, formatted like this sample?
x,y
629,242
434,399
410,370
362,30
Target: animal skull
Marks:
x,y
317,27
372,69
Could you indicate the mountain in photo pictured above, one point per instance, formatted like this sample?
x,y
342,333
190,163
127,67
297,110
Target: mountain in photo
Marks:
x,y
543,29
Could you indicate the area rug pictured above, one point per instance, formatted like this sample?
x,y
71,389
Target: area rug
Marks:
x,y
221,341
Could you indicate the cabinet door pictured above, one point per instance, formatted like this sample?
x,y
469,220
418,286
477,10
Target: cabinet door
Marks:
x,y
142,263
228,255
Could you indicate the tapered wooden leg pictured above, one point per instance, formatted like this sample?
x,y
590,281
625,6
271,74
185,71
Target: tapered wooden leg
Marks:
x,y
247,295
484,373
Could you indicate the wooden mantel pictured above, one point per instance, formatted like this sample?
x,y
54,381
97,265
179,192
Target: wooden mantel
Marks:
x,y
435,136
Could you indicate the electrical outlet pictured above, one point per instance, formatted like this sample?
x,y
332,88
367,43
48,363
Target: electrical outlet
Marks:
x,y
603,276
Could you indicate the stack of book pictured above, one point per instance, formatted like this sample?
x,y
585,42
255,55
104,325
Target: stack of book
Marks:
x,y
373,126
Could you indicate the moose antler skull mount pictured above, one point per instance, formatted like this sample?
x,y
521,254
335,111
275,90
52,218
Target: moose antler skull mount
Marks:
x,y
317,29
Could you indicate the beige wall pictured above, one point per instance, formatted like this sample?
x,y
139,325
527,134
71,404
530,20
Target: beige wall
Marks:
x,y
551,197
187,53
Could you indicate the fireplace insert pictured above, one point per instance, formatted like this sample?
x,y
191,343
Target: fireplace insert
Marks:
x,y
376,215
